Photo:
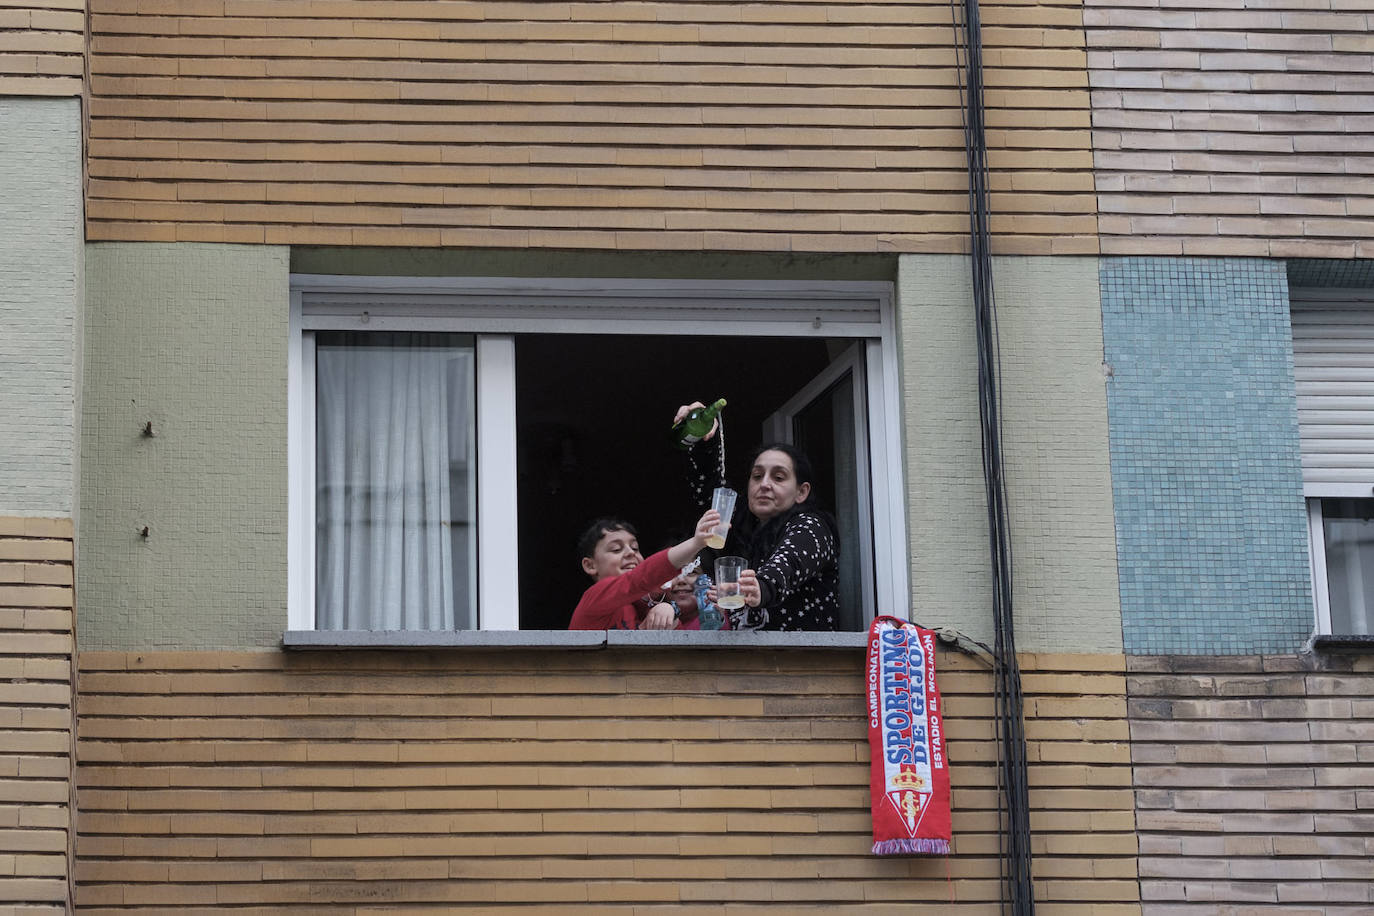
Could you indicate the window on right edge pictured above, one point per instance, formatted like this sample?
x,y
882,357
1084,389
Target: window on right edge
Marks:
x,y
1333,365
1342,533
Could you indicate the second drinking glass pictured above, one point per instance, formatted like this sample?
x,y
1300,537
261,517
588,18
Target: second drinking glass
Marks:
x,y
727,582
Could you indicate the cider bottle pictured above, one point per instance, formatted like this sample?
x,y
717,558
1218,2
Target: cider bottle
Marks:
x,y
696,425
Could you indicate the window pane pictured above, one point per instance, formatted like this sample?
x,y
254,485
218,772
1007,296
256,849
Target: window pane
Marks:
x,y
825,430
1349,532
395,481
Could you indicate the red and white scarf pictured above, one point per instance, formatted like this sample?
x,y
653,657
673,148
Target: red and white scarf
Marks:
x,y
910,774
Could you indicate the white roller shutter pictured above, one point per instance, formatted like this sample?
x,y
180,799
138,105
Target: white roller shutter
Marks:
x,y
1333,364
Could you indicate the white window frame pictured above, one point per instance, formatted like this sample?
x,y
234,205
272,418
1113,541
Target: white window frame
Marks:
x,y
1316,546
498,308
779,429
1321,579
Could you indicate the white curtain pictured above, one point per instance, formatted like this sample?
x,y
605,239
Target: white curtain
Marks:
x,y
385,408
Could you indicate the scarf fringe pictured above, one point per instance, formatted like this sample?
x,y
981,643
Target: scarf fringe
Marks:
x,y
916,847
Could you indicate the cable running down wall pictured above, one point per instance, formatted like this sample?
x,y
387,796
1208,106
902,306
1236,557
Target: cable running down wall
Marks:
x,y
1017,892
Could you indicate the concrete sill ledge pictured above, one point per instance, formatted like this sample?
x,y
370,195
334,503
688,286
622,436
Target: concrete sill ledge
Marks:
x,y
565,639
1344,644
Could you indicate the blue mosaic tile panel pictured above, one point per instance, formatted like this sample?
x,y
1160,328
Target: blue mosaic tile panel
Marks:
x,y
1206,475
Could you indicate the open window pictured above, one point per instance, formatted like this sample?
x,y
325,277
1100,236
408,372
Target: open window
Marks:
x,y
828,421
450,438
1333,364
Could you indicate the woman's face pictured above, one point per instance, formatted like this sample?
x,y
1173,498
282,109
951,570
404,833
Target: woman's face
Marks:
x,y
773,487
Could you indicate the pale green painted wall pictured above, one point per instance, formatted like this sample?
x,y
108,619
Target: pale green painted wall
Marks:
x,y
40,304
194,338
1054,412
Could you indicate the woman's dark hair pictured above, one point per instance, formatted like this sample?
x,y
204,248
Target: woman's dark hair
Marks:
x,y
801,465
586,544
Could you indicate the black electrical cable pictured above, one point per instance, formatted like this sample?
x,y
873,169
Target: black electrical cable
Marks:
x,y
1018,895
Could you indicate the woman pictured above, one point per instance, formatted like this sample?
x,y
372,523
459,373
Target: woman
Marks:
x,y
792,547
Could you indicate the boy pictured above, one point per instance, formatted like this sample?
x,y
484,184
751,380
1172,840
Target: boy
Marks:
x,y
623,579
690,599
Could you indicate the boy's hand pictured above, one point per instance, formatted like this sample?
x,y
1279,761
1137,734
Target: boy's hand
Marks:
x,y
749,588
681,554
685,409
707,525
660,617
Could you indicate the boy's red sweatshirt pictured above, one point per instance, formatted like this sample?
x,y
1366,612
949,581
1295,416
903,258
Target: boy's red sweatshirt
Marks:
x,y
610,603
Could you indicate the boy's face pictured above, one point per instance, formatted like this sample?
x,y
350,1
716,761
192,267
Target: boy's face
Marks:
x,y
684,587
616,554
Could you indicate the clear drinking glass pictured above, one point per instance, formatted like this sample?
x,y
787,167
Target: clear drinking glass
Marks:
x,y
723,501
728,594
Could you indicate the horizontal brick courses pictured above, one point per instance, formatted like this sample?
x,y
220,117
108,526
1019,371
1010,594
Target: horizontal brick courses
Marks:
x,y
634,778
36,708
569,114
1254,801
42,47
1216,67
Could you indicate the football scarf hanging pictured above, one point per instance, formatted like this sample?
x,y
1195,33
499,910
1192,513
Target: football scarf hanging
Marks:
x,y
910,775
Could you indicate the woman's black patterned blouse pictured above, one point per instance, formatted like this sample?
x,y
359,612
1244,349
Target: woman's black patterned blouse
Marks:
x,y
795,554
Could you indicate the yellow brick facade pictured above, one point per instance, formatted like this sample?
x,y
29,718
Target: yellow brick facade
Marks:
x,y
42,47
36,713
702,126
1232,130
563,781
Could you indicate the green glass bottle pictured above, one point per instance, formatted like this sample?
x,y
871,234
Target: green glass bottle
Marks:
x,y
696,425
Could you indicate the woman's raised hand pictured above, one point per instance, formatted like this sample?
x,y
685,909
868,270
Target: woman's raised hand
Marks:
x,y
685,409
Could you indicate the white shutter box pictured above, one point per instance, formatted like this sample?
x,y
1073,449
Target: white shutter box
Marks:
x,y
1333,365
594,306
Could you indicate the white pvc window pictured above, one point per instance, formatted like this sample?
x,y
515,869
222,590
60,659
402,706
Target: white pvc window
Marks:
x,y
1333,364
425,536
1341,535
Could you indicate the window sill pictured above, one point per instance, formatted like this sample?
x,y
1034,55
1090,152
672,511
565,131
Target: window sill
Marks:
x,y
1338,645
566,639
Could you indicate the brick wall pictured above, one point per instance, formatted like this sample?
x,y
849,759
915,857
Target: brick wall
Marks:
x,y
567,782
1233,128
42,47
1254,783
35,712
697,126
